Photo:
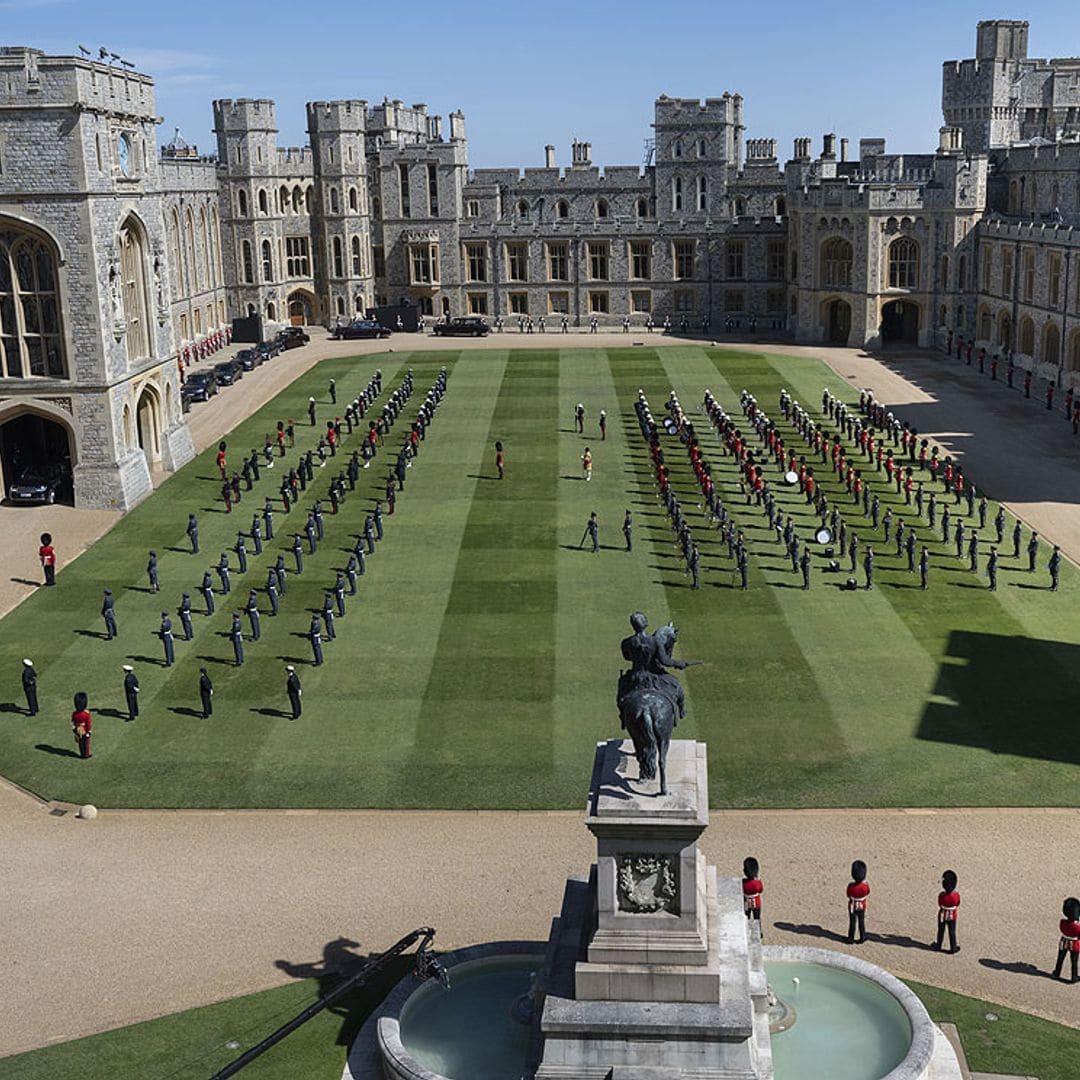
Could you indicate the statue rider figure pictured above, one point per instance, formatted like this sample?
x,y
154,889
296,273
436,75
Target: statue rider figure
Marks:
x,y
649,656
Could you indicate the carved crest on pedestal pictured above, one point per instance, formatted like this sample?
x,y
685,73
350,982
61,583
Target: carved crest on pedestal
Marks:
x,y
648,883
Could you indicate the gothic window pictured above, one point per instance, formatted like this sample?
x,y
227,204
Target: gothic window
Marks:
x,y
31,343
640,259
297,257
333,200
601,208
945,275
353,202
189,251
356,262
562,209
598,261
684,254
523,211
1027,336
264,207
676,150
309,199
676,194
241,203
338,257
476,262
1051,343
433,190
738,208
517,261
642,208
702,149
558,262
836,259
174,251
203,251
702,193
133,289
961,276
245,259
1074,352
903,263
1053,286
780,206
267,261
1029,276
340,305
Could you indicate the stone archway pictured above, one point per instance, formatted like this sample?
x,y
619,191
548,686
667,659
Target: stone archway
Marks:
x,y
37,443
900,323
303,308
148,424
836,321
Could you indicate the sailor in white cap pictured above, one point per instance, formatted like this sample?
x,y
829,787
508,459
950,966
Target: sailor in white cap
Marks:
x,y
29,685
131,691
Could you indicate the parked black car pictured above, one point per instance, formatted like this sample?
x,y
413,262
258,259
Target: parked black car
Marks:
x,y
37,484
228,372
267,349
248,359
465,326
292,337
199,386
361,328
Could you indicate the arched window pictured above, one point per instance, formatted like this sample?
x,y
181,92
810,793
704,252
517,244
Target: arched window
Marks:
x,y
641,208
246,263
601,208
339,262
523,210
241,203
945,272
354,202
309,198
175,251
1027,336
702,193
903,263
961,276
780,207
985,324
333,200
676,194
198,322
189,251
836,259
271,312
1051,344
702,148
676,150
340,306
1074,351
129,433
264,207
1004,330
562,209
205,248
356,255
215,237
31,343
267,261
135,301
738,208
283,199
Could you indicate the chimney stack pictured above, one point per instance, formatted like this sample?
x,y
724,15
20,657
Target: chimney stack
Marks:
x,y
828,147
843,149
549,156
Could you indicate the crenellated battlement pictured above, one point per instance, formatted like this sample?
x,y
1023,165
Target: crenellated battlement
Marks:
x,y
240,116
337,117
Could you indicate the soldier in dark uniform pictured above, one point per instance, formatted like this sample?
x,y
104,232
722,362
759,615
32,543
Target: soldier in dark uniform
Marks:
x,y
29,685
931,509
983,506
333,392
999,524
223,572
185,616
1016,537
592,532
241,552
311,410
804,565
206,692
108,613
361,560
131,691
1033,552
271,591
298,553
166,635
887,523
868,566
973,552
193,533
294,690
1054,566
252,610
328,615
694,565
924,569
743,566
909,546
236,636
279,573
315,636
268,518
959,534
875,512
369,534
378,520
853,550
339,594
316,514
309,532
946,521
991,568
350,573
207,590
628,530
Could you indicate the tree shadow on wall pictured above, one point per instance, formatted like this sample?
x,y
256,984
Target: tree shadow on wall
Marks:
x,y
1008,695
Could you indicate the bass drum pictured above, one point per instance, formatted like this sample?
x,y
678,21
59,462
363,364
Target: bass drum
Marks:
x,y
823,536
791,477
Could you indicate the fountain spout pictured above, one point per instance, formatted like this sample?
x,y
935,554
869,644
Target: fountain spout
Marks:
x,y
427,967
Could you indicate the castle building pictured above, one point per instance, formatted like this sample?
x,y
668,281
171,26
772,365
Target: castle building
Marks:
x,y
117,263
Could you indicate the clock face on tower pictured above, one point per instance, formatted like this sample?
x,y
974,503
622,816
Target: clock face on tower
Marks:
x,y
123,153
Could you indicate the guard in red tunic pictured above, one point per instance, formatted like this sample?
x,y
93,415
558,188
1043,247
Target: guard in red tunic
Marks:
x,y
752,888
222,467
47,555
857,892
81,725
948,902
1070,938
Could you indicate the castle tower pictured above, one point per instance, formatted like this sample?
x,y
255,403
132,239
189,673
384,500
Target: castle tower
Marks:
x,y
341,225
92,387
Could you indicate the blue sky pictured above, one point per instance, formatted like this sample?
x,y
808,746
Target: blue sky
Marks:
x,y
526,74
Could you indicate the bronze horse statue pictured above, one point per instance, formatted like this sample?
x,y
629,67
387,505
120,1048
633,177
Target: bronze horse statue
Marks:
x,y
650,704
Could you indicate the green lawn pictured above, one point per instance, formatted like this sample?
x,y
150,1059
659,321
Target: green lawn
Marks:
x,y
191,1045
477,667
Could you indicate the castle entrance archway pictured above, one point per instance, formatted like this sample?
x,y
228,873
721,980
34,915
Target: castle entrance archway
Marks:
x,y
836,319
35,448
301,308
900,323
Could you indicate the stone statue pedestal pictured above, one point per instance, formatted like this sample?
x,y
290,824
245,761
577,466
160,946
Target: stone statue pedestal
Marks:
x,y
652,969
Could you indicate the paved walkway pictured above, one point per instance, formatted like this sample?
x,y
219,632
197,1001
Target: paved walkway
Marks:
x,y
142,913
139,913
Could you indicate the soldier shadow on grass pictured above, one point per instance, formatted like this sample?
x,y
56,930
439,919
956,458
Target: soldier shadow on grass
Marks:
x,y
155,660
1006,694
59,751
186,710
1016,967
